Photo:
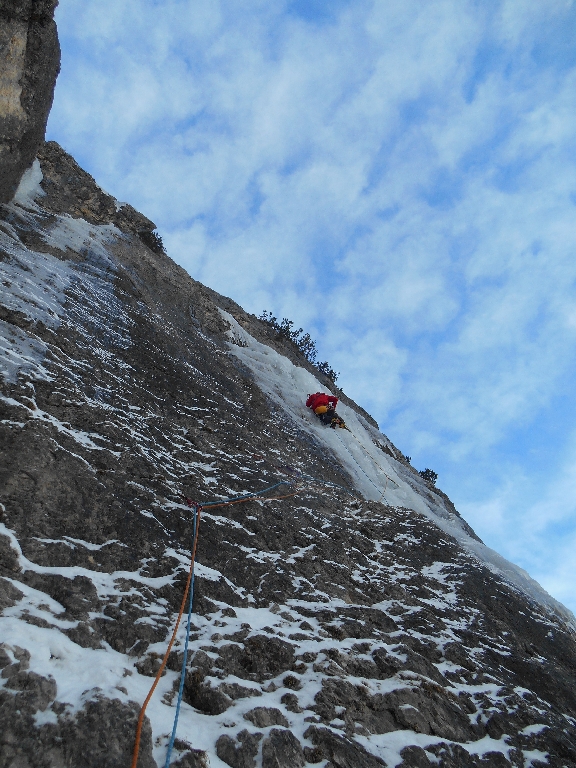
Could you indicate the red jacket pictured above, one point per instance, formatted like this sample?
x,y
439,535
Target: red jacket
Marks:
x,y
320,399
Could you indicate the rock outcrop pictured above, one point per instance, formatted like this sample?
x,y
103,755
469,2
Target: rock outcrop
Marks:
x,y
29,65
347,619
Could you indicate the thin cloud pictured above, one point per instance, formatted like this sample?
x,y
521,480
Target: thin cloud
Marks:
x,y
396,176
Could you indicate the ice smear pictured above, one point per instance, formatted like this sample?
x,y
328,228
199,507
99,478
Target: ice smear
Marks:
x,y
531,730
105,583
369,467
534,757
488,744
33,283
95,547
389,745
41,288
72,667
20,353
29,188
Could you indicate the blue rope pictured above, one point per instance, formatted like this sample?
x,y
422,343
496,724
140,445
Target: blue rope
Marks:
x,y
187,640
246,496
329,483
185,661
315,479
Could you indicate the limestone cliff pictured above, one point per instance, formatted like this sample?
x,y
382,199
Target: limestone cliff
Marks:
x,y
349,619
29,65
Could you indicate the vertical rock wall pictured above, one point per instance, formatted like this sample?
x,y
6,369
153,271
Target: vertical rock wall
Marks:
x,y
29,65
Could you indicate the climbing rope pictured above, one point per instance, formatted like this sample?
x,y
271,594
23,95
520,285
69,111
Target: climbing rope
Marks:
x,y
374,460
196,508
286,468
245,497
268,498
189,590
363,472
171,643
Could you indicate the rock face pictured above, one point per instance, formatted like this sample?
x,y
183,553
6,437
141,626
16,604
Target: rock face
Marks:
x,y
29,65
348,618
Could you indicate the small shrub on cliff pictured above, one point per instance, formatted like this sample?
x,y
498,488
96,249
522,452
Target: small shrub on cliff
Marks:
x,y
327,370
304,342
153,240
429,475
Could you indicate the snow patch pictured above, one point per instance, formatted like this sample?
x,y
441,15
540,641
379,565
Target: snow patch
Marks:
x,y
29,188
20,353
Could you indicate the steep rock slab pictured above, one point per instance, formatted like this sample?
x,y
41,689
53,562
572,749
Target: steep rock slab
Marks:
x,y
328,629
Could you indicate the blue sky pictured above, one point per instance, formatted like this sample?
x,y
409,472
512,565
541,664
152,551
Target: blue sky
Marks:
x,y
397,177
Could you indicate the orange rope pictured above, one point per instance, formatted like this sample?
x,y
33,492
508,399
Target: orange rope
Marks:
x,y
170,644
180,614
375,462
241,501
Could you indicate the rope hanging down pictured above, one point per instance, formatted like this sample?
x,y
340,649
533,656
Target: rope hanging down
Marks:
x,y
190,589
196,508
380,491
171,643
373,460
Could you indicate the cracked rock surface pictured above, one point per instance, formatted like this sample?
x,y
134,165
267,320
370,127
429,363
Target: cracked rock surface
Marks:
x,y
328,629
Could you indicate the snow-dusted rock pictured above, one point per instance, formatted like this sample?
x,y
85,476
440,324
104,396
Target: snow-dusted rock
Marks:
x,y
347,618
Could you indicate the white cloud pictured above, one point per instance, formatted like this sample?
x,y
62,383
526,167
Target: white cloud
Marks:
x,y
398,178
539,535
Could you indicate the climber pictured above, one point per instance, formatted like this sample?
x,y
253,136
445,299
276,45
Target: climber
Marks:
x,y
324,406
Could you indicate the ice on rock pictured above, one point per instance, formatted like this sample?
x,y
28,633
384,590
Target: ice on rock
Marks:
x,y
373,473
